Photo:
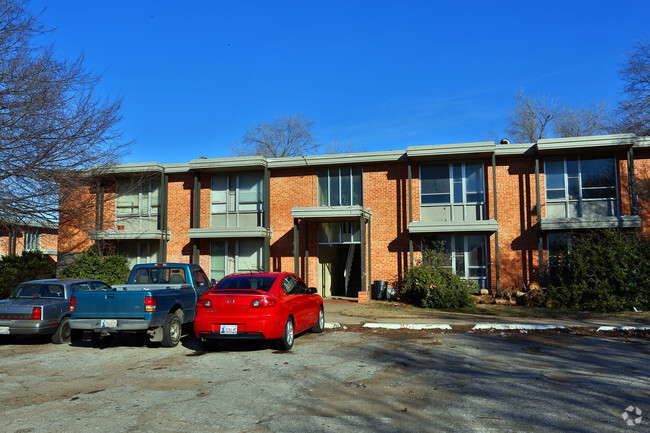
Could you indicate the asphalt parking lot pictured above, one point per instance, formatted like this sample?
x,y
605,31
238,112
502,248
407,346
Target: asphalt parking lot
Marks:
x,y
359,379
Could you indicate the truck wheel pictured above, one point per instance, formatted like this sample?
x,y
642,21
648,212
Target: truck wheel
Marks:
x,y
286,341
62,334
171,331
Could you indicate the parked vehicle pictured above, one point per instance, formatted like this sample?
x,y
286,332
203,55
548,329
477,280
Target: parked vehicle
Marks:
x,y
43,307
271,306
157,299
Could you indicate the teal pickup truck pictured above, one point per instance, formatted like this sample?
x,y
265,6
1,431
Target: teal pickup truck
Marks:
x,y
157,299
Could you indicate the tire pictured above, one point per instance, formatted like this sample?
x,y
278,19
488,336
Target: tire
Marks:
x,y
63,332
286,341
172,330
320,323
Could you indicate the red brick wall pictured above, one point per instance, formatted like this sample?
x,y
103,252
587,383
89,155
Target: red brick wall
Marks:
x,y
290,188
517,217
179,217
385,193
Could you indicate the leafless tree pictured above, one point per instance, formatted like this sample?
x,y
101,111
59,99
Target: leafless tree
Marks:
x,y
531,118
534,118
286,136
634,107
55,131
578,121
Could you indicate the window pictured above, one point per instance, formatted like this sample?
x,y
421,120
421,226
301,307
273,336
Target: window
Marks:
x,y
452,192
578,187
558,245
237,200
340,186
293,286
466,255
344,232
231,256
452,183
32,239
138,199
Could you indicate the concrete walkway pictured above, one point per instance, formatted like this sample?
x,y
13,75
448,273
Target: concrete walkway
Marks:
x,y
391,315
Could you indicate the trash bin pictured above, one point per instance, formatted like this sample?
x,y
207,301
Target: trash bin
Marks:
x,y
380,289
391,294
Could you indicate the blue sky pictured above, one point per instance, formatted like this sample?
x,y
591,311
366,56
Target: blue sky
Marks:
x,y
373,75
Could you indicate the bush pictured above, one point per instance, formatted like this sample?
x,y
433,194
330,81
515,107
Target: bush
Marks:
x,y
604,271
431,285
109,269
31,265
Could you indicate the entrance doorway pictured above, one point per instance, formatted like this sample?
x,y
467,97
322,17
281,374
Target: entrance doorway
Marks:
x,y
339,270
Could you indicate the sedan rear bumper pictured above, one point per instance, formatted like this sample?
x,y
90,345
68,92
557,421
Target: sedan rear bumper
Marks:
x,y
268,329
27,327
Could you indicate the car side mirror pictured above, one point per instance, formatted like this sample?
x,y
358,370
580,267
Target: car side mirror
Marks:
x,y
313,290
213,282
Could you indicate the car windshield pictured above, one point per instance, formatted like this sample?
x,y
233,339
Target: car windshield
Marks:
x,y
246,282
38,291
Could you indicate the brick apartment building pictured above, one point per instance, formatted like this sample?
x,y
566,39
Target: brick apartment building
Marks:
x,y
16,238
502,212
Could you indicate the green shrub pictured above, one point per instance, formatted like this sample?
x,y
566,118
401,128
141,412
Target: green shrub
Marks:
x,y
31,265
431,285
109,269
605,271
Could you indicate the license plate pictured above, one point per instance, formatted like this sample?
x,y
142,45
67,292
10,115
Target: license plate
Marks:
x,y
4,330
108,323
229,329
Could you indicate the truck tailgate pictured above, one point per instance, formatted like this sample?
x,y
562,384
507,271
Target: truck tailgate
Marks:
x,y
110,305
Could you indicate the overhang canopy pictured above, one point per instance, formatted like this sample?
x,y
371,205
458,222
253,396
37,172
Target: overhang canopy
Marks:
x,y
223,233
625,221
331,212
486,226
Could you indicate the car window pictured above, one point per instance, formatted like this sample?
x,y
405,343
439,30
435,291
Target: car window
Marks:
x,y
101,286
200,279
247,282
81,287
293,286
52,291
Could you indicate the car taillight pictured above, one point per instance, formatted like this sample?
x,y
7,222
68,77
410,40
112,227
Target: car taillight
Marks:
x,y
204,303
149,303
73,304
264,303
37,313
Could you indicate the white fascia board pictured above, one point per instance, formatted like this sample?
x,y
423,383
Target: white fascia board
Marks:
x,y
128,235
330,212
222,233
623,221
338,159
233,163
486,226
479,149
587,143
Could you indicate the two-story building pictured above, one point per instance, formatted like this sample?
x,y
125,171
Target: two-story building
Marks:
x,y
499,212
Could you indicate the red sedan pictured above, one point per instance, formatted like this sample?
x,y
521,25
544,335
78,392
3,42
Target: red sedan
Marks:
x,y
271,306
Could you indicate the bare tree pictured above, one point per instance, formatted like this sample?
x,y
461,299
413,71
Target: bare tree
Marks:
x,y
55,132
578,121
634,107
286,136
533,118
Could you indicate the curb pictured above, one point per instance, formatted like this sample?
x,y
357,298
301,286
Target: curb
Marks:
x,y
520,326
417,326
